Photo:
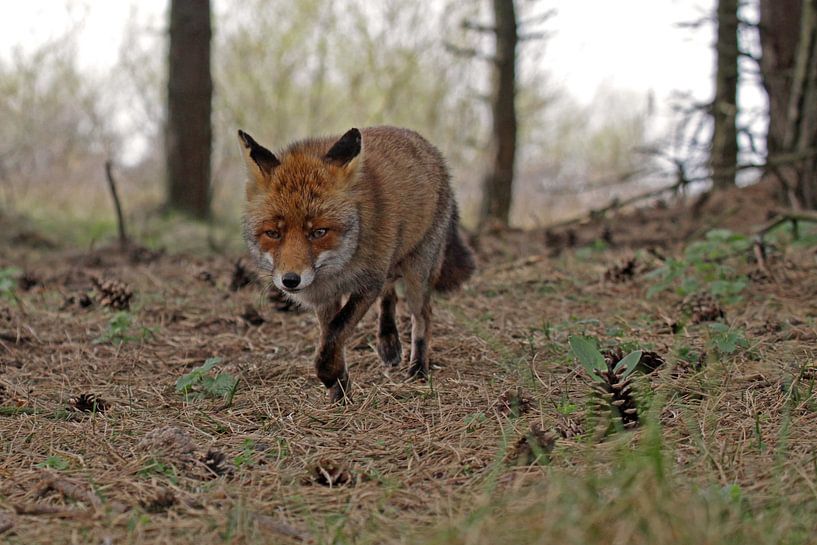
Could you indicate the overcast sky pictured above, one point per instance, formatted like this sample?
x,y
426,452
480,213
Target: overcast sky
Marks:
x,y
635,46
627,44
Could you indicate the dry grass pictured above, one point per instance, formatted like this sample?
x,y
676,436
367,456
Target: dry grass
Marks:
x,y
725,455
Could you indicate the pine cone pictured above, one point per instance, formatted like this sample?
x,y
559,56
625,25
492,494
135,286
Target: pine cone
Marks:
x,y
621,272
702,307
82,300
532,447
616,391
170,440
650,361
242,277
28,281
88,403
214,461
113,293
160,502
330,473
514,403
206,276
251,316
613,356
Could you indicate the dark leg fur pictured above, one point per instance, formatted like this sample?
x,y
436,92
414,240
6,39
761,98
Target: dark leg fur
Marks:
x,y
419,360
388,339
330,363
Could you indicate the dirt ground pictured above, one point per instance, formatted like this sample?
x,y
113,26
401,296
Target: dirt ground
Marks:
x,y
98,446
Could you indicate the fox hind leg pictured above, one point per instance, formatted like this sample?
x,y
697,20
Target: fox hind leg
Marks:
x,y
388,339
418,299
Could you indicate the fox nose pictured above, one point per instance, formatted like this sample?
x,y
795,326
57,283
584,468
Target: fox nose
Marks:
x,y
291,280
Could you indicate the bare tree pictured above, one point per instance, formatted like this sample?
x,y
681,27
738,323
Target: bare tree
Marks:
x,y
779,34
724,151
789,43
190,88
497,186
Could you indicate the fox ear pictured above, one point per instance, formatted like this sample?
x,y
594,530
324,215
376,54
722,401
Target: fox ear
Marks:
x,y
345,152
260,161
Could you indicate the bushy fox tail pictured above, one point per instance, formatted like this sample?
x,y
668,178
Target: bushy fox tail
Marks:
x,y
458,258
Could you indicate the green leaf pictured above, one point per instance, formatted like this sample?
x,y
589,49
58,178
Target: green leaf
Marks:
x,y
629,362
726,288
198,383
725,340
689,284
209,363
184,382
588,355
719,327
222,385
55,462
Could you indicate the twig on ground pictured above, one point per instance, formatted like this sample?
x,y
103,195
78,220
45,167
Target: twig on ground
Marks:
x,y
615,204
74,491
43,509
759,250
783,216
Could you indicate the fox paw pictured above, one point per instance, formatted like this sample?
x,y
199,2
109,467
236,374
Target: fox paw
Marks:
x,y
389,349
338,393
418,370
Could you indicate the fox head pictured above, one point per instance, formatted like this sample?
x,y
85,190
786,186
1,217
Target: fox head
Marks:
x,y
301,220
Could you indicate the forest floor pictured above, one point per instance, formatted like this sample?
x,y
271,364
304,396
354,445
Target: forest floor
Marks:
x,y
112,432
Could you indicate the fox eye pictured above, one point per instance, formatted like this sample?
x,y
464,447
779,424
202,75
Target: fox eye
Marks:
x,y
273,234
317,233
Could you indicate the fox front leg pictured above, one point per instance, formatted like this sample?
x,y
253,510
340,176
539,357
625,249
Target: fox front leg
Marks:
x,y
330,363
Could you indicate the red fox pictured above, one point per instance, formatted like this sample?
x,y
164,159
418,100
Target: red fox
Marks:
x,y
330,218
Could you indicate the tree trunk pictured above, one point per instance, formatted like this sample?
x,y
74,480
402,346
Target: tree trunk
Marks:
x,y
801,135
497,186
724,153
190,89
779,34
790,78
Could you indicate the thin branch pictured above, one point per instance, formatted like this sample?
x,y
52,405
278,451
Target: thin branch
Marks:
x,y
617,203
748,24
120,220
745,131
468,52
697,23
784,216
534,36
748,55
479,27
771,163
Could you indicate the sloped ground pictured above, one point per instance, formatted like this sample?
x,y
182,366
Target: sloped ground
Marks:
x,y
725,452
